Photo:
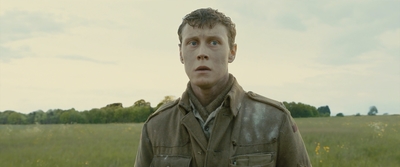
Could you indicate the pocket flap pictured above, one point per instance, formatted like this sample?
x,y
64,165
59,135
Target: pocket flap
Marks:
x,y
252,159
170,161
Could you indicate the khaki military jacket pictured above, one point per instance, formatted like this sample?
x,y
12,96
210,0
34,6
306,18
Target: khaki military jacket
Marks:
x,y
249,131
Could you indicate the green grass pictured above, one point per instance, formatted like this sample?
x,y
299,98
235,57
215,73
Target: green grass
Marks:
x,y
367,141
68,145
347,141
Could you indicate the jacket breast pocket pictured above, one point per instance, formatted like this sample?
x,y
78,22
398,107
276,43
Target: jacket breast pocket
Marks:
x,y
253,160
170,161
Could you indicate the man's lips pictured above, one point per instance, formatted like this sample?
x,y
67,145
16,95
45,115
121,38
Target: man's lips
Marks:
x,y
203,68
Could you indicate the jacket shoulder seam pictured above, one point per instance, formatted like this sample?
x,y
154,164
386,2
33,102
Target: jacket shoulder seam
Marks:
x,y
276,104
163,108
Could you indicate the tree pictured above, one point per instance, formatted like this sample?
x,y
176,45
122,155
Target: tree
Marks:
x,y
96,116
65,117
37,117
166,99
114,105
15,118
324,111
72,116
12,117
301,110
372,111
4,116
53,116
339,115
124,115
140,103
141,113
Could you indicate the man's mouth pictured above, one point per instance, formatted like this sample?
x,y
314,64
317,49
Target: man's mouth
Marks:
x,y
203,68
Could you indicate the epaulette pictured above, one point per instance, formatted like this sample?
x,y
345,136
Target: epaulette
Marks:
x,y
163,108
268,101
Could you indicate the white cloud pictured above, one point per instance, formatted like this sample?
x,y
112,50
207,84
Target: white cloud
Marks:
x,y
17,25
82,58
7,54
390,39
85,55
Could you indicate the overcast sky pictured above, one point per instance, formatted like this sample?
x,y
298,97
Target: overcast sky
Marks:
x,y
86,54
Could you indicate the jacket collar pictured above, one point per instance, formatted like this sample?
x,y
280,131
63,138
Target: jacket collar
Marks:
x,y
233,99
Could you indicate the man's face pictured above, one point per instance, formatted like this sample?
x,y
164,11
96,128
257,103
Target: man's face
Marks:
x,y
205,53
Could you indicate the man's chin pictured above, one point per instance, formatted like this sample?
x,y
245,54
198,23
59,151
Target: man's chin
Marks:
x,y
201,83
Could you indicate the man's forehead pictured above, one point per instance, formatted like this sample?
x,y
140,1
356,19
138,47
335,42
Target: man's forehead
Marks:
x,y
217,30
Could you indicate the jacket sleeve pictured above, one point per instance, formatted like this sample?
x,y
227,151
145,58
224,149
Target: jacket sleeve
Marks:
x,y
291,149
144,154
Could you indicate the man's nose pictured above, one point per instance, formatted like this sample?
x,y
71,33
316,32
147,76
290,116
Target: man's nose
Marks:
x,y
202,57
202,53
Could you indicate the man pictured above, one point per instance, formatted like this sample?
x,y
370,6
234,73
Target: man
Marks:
x,y
216,123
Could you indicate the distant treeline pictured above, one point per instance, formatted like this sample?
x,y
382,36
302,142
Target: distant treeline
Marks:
x,y
301,110
116,113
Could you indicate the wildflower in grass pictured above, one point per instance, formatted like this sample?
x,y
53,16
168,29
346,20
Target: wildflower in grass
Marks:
x,y
317,149
378,127
326,148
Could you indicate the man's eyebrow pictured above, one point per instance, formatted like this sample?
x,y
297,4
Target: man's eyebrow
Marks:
x,y
190,38
219,37
214,36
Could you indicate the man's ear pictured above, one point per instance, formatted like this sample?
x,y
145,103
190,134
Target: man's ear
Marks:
x,y
180,53
232,54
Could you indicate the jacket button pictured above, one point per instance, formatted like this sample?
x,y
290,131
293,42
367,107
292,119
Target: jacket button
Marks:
x,y
199,152
234,143
206,128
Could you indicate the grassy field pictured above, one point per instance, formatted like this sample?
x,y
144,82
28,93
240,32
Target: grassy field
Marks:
x,y
367,141
362,141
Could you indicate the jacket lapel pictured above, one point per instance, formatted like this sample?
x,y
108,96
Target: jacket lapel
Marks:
x,y
194,129
221,129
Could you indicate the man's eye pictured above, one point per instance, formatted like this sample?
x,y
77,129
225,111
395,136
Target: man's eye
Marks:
x,y
193,43
214,42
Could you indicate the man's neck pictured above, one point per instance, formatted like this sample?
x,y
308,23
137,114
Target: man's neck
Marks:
x,y
207,95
